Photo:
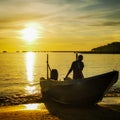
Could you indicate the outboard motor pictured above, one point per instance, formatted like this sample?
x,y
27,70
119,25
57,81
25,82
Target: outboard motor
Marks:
x,y
54,74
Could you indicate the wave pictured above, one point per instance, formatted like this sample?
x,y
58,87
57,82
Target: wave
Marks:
x,y
37,97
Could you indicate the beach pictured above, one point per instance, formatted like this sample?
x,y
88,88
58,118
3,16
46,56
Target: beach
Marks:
x,y
20,91
20,112
54,111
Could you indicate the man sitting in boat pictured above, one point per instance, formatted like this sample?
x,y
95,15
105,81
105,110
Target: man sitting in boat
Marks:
x,y
77,67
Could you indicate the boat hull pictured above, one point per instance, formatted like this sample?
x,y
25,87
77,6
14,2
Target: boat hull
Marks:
x,y
81,91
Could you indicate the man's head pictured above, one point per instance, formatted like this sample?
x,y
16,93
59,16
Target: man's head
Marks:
x,y
80,57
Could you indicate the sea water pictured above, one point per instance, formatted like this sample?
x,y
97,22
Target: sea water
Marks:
x,y
20,73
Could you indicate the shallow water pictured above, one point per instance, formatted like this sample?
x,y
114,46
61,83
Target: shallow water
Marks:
x,y
20,72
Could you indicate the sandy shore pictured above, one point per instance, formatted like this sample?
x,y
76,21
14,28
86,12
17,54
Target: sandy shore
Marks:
x,y
26,112
55,111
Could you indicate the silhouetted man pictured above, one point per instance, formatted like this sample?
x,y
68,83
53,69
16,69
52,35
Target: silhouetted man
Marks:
x,y
77,67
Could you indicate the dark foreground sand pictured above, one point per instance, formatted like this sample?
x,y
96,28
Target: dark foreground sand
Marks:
x,y
55,111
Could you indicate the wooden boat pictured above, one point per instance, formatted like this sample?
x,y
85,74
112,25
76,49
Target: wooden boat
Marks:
x,y
81,91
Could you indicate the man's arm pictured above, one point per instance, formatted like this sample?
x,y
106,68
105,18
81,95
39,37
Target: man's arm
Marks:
x,y
70,70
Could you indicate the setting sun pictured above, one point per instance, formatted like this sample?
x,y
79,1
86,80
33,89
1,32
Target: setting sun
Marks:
x,y
31,32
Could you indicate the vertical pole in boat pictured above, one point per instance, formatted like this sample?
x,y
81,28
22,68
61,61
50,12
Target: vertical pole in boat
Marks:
x,y
76,55
47,68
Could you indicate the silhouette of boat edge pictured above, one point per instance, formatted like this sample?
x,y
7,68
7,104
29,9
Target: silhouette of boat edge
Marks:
x,y
87,91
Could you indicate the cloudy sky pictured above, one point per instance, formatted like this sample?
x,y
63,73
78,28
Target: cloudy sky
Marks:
x,y
58,24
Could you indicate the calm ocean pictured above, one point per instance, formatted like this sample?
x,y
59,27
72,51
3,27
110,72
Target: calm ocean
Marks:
x,y
20,72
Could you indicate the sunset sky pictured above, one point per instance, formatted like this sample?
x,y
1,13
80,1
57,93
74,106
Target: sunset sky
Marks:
x,y
35,25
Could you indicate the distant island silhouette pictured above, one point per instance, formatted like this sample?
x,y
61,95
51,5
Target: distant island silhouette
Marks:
x,y
111,48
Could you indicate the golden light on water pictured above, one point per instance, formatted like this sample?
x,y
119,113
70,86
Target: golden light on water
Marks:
x,y
31,106
35,106
30,60
30,89
31,32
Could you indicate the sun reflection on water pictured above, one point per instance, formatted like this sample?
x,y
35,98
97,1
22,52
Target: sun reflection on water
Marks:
x,y
31,106
30,89
30,60
34,106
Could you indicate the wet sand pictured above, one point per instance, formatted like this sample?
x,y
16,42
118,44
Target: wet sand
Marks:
x,y
54,111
